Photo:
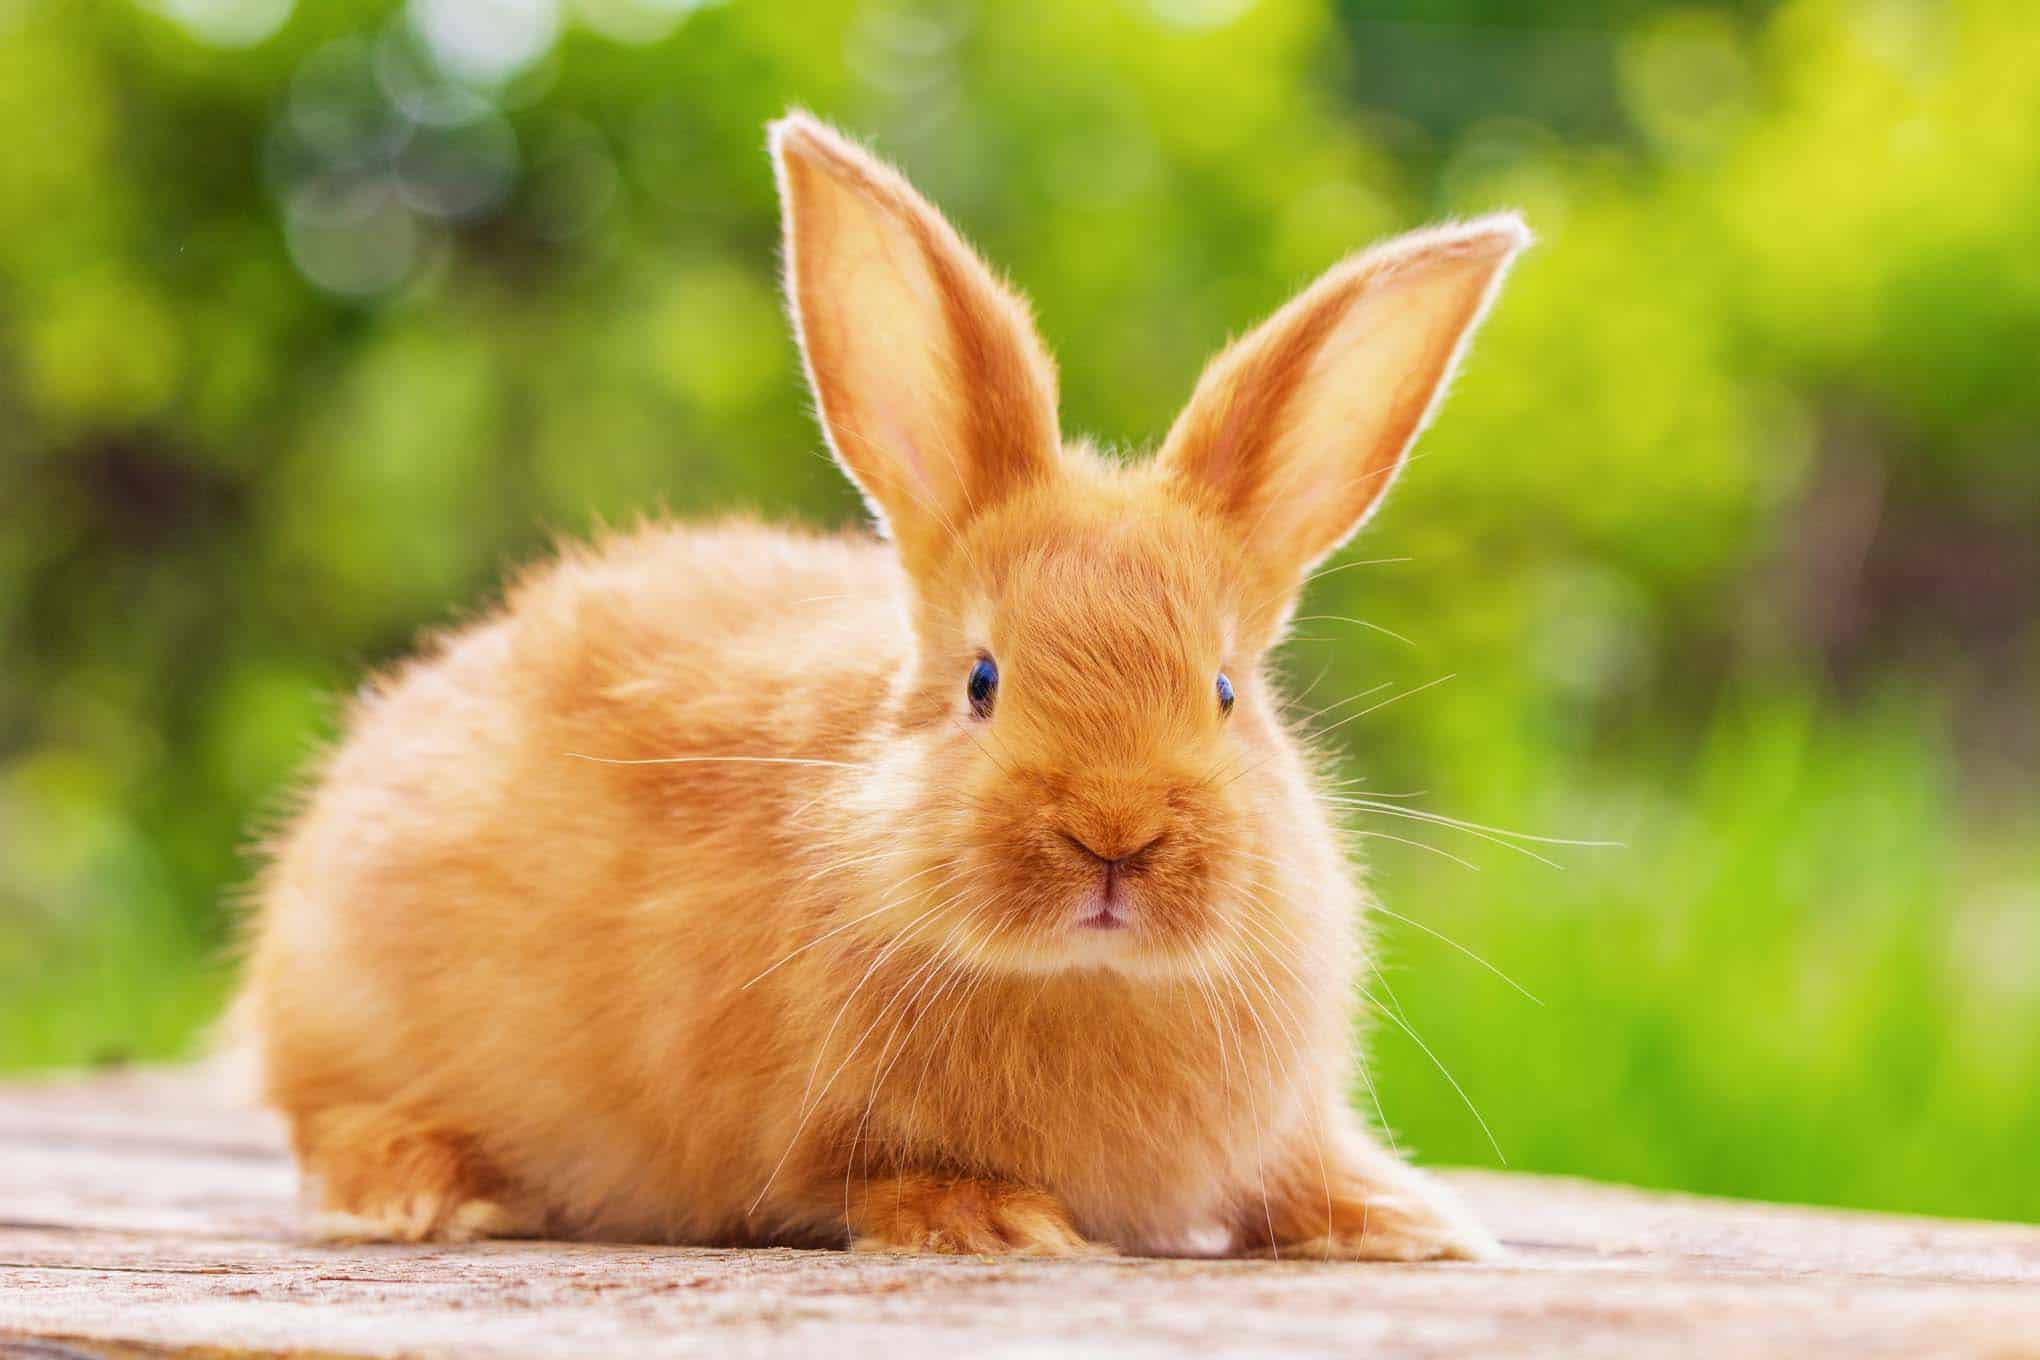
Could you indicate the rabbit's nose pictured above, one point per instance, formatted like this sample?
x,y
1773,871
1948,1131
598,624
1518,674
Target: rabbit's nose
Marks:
x,y
1113,850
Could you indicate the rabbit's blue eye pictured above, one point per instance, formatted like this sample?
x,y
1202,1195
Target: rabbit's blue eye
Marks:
x,y
1225,694
983,686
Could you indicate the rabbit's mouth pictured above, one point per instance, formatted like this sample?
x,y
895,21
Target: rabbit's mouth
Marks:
x,y
1118,870
1105,913
1106,906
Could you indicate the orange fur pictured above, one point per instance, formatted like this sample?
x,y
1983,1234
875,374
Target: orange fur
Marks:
x,y
685,898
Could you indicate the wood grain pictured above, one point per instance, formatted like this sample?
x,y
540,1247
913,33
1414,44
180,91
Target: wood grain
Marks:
x,y
144,1214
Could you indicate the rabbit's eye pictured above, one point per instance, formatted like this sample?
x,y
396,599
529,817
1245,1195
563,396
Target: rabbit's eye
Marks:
x,y
1225,695
982,686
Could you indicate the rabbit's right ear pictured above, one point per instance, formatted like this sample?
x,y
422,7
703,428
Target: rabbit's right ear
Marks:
x,y
1295,432
935,393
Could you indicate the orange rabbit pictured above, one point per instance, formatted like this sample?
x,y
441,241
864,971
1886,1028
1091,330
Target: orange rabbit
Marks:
x,y
959,892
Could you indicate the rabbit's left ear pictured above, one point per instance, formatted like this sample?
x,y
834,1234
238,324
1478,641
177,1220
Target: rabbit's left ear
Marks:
x,y
935,393
1295,431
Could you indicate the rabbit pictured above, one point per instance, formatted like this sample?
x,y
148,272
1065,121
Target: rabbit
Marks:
x,y
952,887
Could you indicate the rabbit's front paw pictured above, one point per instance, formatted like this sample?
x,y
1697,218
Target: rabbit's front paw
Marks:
x,y
1356,1201
374,1174
1409,1225
416,1218
963,1216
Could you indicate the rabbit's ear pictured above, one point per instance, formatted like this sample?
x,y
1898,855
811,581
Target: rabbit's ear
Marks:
x,y
1296,430
935,394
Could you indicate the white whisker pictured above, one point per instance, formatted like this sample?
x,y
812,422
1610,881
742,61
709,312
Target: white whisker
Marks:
x,y
1392,699
1358,623
1418,1039
885,906
1447,939
715,760
1348,566
1463,825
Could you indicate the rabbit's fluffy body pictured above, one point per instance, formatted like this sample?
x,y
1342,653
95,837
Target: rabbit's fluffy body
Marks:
x,y
483,917
691,897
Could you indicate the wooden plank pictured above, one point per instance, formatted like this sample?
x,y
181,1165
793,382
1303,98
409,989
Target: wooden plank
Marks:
x,y
145,1210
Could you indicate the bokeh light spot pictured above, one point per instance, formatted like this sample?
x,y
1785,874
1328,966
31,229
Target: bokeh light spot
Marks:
x,y
351,236
486,42
459,170
228,23
634,21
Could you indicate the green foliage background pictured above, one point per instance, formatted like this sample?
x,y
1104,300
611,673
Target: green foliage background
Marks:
x,y
1727,537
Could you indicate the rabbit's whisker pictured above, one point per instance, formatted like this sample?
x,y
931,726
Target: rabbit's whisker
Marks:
x,y
852,861
926,971
885,906
810,1101
1438,935
1407,1028
1350,717
1463,825
1358,623
1308,718
1493,835
942,954
1376,708
978,977
714,760
1260,1140
1224,1063
809,1108
1447,939
981,749
1285,1015
1348,566
1361,1068
1416,844
1297,698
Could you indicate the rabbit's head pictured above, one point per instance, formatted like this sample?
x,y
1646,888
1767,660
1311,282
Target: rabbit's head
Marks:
x,y
1091,750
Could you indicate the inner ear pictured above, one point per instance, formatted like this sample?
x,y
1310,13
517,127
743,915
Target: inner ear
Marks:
x,y
935,394
1296,431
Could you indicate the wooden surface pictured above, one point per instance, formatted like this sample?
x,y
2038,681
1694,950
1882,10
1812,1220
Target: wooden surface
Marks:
x,y
142,1215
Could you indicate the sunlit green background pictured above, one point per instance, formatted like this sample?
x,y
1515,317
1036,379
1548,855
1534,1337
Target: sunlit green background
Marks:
x,y
315,320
